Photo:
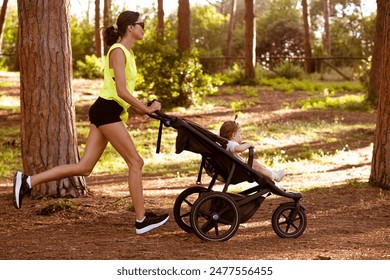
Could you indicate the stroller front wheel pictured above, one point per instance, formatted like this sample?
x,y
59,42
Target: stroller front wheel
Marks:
x,y
215,216
289,220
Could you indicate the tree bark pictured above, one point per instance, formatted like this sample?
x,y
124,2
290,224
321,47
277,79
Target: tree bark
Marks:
x,y
48,132
98,38
250,39
309,65
380,165
183,34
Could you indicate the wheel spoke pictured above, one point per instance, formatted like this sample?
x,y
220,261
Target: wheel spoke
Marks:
x,y
185,215
189,203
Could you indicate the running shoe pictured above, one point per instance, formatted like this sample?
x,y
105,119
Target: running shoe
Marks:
x,y
150,222
21,188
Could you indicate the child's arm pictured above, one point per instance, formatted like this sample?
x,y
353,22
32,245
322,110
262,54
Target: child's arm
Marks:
x,y
243,146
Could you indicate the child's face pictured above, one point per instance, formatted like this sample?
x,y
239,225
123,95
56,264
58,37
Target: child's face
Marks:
x,y
237,136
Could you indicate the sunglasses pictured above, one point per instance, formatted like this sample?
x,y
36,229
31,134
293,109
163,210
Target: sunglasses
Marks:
x,y
142,24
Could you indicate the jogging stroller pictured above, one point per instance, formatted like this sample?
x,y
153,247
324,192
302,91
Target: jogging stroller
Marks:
x,y
216,215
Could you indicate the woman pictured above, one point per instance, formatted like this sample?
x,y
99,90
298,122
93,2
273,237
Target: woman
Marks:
x,y
108,115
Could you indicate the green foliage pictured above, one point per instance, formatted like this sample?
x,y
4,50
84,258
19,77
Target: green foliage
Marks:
x,y
208,30
348,102
236,75
82,34
279,31
90,68
311,86
289,70
10,34
174,78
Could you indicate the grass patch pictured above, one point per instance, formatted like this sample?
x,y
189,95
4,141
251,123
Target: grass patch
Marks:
x,y
310,86
348,102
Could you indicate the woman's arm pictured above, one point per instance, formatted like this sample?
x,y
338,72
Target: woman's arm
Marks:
x,y
118,63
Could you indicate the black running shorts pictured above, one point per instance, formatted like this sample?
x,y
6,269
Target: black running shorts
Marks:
x,y
105,111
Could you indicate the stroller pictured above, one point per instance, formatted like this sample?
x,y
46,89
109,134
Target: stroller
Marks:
x,y
216,215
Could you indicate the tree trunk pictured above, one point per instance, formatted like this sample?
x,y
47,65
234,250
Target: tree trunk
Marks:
x,y
160,19
106,20
380,165
250,39
2,21
48,132
309,65
377,56
98,38
183,34
231,32
327,27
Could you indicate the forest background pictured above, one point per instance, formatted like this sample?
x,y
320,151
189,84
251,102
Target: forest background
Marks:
x,y
320,120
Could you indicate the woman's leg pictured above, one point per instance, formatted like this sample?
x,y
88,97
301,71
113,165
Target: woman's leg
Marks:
x,y
96,143
119,137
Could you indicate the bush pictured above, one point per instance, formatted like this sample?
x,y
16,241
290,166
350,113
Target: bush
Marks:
x,y
91,68
175,79
289,71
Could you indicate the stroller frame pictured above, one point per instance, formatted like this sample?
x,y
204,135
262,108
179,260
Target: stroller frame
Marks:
x,y
216,215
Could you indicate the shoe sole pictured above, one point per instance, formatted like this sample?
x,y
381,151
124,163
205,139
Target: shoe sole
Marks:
x,y
17,187
150,227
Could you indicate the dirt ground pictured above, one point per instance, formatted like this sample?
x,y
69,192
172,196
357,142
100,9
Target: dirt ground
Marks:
x,y
347,219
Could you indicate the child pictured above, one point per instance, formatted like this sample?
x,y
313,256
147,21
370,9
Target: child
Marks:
x,y
231,131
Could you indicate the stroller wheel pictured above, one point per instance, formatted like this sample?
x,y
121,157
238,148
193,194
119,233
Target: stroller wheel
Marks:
x,y
183,205
215,216
289,220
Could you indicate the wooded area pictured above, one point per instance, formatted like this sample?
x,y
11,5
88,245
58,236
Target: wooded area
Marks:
x,y
307,79
290,37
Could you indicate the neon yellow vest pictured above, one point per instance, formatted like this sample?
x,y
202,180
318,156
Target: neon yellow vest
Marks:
x,y
108,90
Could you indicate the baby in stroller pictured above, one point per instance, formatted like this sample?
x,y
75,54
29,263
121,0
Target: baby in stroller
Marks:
x,y
231,130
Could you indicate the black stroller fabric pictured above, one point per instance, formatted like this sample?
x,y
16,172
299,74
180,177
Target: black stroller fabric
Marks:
x,y
213,148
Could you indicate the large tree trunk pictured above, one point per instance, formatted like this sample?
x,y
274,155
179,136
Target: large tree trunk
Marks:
x,y
309,65
250,39
183,33
380,166
48,133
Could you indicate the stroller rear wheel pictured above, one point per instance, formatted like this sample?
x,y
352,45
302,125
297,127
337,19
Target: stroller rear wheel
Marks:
x,y
183,205
215,216
289,220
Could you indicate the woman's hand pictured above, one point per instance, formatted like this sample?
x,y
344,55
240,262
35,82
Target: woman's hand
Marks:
x,y
155,106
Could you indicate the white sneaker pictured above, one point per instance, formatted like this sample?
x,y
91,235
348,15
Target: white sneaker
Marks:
x,y
278,175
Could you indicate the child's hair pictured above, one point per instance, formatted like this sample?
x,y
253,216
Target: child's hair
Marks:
x,y
112,33
228,128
